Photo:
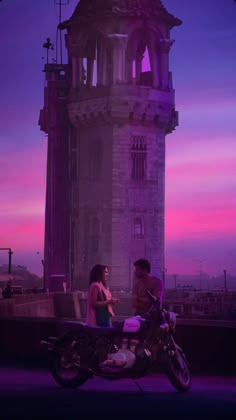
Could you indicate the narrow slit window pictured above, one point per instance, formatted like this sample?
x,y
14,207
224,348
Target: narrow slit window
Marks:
x,y
138,227
138,158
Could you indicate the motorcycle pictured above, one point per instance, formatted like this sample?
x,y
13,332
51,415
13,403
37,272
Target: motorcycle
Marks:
x,y
127,350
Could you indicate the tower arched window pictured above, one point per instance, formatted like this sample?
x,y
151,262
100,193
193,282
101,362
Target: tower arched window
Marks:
x,y
139,158
143,58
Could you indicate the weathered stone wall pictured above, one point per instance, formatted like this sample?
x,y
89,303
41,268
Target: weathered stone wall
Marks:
x,y
210,347
113,200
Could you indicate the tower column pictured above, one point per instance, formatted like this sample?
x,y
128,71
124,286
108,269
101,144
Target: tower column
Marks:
x,y
102,66
77,75
165,49
80,70
154,62
77,71
129,70
90,69
119,42
138,66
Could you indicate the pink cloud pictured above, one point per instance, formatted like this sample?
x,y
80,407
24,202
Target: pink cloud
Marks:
x,y
22,187
22,234
201,185
23,171
200,223
206,168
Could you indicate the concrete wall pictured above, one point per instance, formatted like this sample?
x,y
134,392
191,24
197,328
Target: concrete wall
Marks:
x,y
59,304
209,346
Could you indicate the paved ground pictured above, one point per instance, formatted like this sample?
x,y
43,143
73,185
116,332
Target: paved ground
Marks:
x,y
33,394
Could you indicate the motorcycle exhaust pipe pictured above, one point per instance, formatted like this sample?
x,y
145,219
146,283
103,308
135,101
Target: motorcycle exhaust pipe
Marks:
x,y
45,343
50,343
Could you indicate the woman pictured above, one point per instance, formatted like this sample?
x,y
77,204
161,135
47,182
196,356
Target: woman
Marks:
x,y
99,300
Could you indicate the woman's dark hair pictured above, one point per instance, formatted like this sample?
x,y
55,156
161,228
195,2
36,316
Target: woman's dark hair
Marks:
x,y
143,264
96,273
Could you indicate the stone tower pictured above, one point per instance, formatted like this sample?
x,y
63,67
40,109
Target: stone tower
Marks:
x,y
107,113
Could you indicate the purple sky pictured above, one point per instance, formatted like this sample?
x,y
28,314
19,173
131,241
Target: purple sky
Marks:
x,y
201,153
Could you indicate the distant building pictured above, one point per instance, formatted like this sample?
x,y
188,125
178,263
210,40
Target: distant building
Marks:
x,y
106,121
205,305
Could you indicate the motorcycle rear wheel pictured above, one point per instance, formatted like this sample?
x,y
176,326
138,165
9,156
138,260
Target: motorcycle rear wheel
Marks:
x,y
178,371
65,366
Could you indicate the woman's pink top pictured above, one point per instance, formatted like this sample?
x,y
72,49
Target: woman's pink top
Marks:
x,y
93,291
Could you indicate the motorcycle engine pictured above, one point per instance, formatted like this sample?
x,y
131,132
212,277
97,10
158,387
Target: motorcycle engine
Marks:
x,y
123,358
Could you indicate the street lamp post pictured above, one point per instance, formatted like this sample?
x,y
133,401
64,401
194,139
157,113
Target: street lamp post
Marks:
x,y
9,257
9,260
42,262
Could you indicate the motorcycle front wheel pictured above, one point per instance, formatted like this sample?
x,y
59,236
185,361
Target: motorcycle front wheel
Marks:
x,y
178,370
66,362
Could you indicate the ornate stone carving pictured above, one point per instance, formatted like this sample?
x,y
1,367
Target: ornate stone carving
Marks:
x,y
120,107
148,8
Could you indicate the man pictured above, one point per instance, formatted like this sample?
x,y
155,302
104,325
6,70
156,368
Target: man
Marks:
x,y
140,300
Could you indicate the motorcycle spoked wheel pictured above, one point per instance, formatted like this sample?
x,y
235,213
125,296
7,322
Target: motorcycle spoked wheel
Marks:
x,y
66,365
178,370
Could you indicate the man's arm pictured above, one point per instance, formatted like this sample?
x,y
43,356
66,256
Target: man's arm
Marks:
x,y
158,289
134,297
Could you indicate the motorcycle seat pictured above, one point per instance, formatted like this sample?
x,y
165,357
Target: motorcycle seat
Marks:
x,y
103,330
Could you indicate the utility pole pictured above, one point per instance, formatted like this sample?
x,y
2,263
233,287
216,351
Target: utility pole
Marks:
x,y
200,274
44,284
9,260
200,261
225,279
175,280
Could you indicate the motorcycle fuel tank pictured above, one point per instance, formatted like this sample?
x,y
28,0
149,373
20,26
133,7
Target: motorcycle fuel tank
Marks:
x,y
132,325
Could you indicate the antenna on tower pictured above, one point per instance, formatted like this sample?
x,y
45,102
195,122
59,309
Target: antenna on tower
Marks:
x,y
60,3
